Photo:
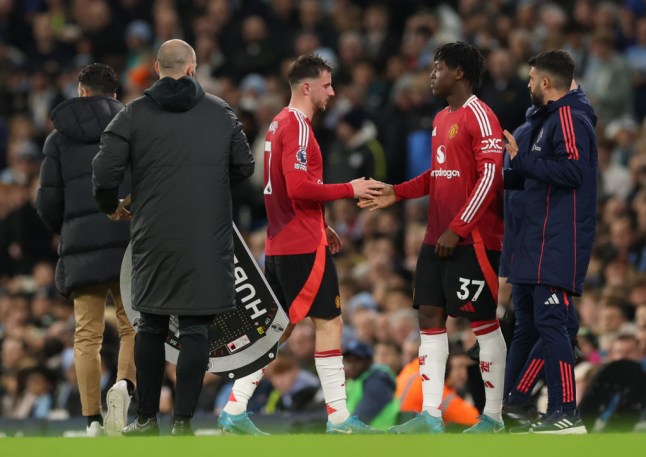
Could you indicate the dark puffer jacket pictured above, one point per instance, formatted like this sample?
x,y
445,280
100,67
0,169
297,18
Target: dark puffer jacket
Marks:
x,y
91,246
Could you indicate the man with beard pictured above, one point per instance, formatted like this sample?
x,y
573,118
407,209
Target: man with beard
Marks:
x,y
554,242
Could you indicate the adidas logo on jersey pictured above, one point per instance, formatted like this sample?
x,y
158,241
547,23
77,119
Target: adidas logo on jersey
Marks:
x,y
468,308
553,300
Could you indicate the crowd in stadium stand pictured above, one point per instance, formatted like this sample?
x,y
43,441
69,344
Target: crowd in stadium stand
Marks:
x,y
377,125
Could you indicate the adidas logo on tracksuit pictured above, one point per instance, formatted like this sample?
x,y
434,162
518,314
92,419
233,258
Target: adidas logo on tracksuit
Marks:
x,y
553,300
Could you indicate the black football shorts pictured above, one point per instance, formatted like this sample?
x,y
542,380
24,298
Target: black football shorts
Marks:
x,y
461,284
305,284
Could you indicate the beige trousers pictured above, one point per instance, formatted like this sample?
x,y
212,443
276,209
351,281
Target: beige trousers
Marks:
x,y
89,312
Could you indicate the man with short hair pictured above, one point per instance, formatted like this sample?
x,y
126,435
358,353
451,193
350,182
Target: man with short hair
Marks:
x,y
185,149
554,244
299,247
525,358
457,269
91,247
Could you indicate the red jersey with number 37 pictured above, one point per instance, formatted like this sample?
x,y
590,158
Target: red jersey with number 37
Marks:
x,y
464,182
294,189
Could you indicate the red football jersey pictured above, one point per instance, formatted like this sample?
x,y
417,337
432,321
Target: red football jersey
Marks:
x,y
464,182
294,189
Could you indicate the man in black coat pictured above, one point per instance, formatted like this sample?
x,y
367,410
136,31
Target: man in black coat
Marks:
x,y
185,149
91,247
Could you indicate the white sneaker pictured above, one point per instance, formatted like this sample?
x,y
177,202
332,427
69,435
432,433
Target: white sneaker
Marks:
x,y
118,401
94,429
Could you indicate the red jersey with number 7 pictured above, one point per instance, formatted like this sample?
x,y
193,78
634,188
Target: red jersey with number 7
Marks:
x,y
294,189
464,182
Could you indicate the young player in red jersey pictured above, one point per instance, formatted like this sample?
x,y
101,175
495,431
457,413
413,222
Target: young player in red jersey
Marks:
x,y
299,246
457,269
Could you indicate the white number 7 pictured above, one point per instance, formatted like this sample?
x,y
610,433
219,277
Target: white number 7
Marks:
x,y
463,293
267,190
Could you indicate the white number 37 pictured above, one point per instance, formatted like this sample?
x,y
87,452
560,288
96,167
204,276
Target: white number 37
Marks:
x,y
464,292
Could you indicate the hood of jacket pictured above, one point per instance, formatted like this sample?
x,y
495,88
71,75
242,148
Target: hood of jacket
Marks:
x,y
176,95
84,118
575,99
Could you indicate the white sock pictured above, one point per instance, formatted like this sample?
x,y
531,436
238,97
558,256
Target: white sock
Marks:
x,y
493,354
242,391
329,366
433,352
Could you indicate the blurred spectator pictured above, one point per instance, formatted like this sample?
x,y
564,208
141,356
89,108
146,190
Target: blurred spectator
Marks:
x,y
613,322
640,319
576,45
257,53
369,86
314,19
403,322
95,20
28,239
389,354
295,389
504,91
370,387
68,397
138,41
636,58
13,24
36,386
284,23
608,79
380,41
345,215
622,132
637,169
356,153
362,322
24,162
48,53
301,345
614,177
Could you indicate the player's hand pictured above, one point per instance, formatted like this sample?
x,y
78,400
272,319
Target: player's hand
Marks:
x,y
446,243
333,240
512,146
121,214
386,199
366,188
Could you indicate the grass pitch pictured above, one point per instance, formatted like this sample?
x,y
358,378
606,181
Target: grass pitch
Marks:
x,y
448,445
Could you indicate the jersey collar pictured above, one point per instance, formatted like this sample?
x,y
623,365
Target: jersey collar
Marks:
x,y
299,111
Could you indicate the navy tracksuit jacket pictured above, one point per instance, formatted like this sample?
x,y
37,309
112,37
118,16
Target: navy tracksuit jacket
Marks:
x,y
554,243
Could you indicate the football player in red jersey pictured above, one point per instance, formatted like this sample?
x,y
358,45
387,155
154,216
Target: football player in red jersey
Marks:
x,y
457,269
299,246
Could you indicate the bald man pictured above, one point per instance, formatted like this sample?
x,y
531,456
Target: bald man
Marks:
x,y
185,149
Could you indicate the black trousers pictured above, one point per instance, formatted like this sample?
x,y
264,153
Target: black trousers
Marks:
x,y
150,359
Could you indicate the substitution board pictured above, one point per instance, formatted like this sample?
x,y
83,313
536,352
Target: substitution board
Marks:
x,y
240,341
